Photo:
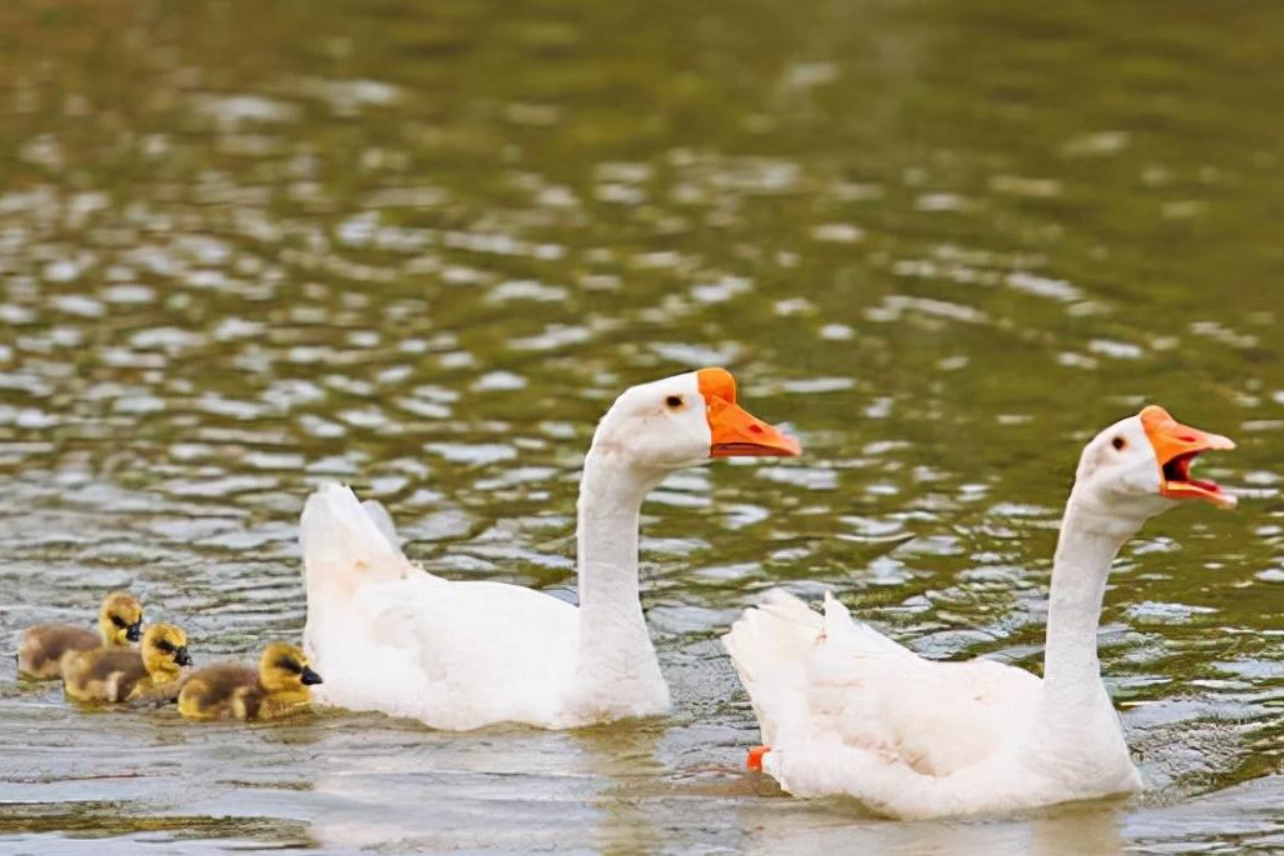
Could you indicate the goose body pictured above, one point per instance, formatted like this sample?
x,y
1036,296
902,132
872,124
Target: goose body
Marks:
x,y
453,654
988,701
44,648
277,688
464,654
845,710
114,674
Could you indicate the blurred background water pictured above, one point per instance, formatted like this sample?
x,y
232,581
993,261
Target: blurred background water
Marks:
x,y
246,247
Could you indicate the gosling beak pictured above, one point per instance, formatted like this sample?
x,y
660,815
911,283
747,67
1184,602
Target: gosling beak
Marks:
x,y
736,432
134,632
182,657
1176,448
309,677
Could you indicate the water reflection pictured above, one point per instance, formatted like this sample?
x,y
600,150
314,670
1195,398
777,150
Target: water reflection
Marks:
x,y
1081,830
628,759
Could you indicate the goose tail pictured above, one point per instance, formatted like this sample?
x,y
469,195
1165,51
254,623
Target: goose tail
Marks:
x,y
348,543
770,645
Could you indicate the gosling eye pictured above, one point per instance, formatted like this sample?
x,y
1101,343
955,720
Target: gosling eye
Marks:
x,y
290,665
166,646
1119,443
119,622
673,402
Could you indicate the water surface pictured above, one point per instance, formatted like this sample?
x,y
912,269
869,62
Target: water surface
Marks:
x,y
248,247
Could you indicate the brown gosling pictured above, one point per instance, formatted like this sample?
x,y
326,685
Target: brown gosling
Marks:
x,y
43,647
231,691
151,673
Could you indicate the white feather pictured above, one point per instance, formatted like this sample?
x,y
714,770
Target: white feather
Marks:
x,y
845,710
388,636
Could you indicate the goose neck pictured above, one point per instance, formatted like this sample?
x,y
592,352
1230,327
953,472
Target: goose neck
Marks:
x,y
1086,548
611,494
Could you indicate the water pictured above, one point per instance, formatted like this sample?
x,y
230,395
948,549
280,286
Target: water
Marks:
x,y
248,247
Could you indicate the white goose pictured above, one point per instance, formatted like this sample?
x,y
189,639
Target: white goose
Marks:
x,y
845,710
391,637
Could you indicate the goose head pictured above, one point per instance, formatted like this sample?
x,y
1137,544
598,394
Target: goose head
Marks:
x,y
683,421
285,668
120,619
164,651
1141,466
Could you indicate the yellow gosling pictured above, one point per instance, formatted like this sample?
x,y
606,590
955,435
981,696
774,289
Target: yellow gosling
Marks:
x,y
43,647
151,673
232,691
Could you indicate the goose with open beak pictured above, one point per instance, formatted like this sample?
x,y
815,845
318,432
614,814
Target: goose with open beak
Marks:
x,y
846,710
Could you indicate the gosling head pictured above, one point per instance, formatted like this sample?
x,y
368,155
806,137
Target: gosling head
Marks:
x,y
120,620
164,651
284,668
683,421
1140,467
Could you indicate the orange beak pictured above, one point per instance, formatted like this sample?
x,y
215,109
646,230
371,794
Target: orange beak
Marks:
x,y
1176,447
735,431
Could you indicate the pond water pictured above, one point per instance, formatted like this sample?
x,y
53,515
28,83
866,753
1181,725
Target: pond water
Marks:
x,y
248,247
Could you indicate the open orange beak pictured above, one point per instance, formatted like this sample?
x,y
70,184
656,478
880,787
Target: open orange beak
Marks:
x,y
735,431
1176,447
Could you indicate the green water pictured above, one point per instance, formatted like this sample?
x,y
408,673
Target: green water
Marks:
x,y
246,247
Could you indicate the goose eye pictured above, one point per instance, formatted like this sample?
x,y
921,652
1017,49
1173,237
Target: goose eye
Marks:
x,y
290,666
673,402
1119,443
119,622
165,646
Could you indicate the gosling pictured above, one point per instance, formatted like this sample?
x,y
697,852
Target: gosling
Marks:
x,y
151,673
43,647
230,690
